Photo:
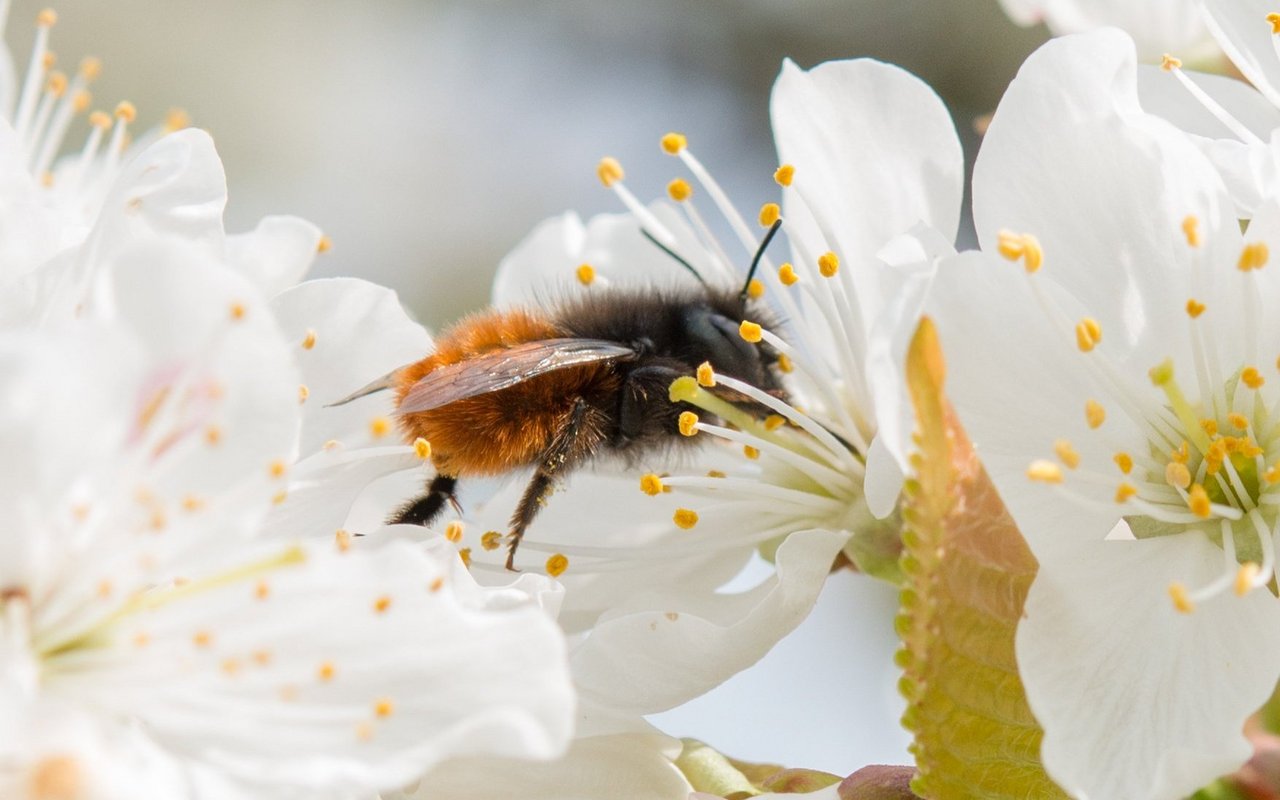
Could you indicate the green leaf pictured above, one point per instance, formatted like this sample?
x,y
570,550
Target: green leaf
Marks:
x,y
967,572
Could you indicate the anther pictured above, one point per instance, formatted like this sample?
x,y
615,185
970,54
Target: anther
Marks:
x,y
100,119
381,605
750,331
342,539
706,375
1272,475
237,311
651,484
1254,256
47,18
1169,63
126,111
464,555
1088,334
750,452
1066,453
422,448
784,362
277,468
379,427
1094,414
57,84
1198,502
326,671
384,707
685,519
774,421
1274,19
1252,378
176,119
609,171
557,564
586,274
769,214
784,174
80,103
755,289
1045,472
309,340
1125,491
1191,229
787,275
490,540
828,264
1181,600
55,778
1177,474
202,639
688,423
1238,421
1015,246
679,190
453,531
673,143
213,434
1194,308
1245,578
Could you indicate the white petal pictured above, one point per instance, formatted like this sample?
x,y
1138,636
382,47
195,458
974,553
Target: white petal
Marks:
x,y
1137,700
875,153
628,766
1244,34
29,230
345,333
656,652
884,479
324,487
1106,195
276,254
350,672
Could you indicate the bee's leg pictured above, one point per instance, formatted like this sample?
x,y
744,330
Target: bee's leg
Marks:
x,y
426,508
575,440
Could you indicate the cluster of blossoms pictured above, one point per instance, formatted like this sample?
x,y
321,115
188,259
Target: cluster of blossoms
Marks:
x,y
198,599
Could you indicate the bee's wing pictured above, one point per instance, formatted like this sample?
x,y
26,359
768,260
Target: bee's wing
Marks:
x,y
499,369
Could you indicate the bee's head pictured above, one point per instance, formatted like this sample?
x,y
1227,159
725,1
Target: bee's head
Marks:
x,y
713,332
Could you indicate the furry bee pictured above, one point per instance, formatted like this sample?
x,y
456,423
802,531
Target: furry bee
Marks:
x,y
510,389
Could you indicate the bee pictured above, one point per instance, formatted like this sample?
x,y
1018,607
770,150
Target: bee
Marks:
x,y
512,389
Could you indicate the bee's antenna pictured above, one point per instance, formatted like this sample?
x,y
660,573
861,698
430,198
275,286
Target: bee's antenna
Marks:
x,y
755,262
674,255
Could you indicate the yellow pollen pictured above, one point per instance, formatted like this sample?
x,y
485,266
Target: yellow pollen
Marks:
x,y
1253,256
262,657
303,393
769,214
438,584
1161,373
342,538
1238,421
1088,334
1169,63
1182,454
47,18
1094,414
556,565
381,604
384,707
1252,378
750,452
326,671
279,497
176,119
609,171
755,289
1272,475
828,264
673,143
1245,577
586,274
688,423
1198,501
1191,229
230,666
1181,600
202,639
706,375
1274,19
651,484
309,340
1066,453
1045,472
1194,308
57,84
192,503
331,445
324,244
1209,426
1014,246
774,421
685,519
379,427
787,275
237,311
422,448
55,778
262,591
453,531
80,103
158,520
1177,474
750,331
1124,491
784,175
491,540
784,362
277,468
715,473
100,119
679,190
126,112
465,555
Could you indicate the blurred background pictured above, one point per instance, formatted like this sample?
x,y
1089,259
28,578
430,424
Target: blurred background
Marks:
x,y
427,138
